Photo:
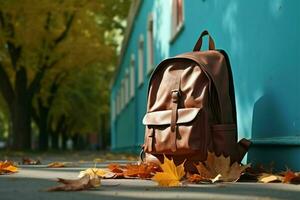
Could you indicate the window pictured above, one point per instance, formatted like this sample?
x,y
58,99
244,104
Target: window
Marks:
x,y
177,18
132,76
150,44
141,60
126,87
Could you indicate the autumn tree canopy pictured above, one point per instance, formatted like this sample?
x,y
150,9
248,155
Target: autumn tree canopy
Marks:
x,y
56,60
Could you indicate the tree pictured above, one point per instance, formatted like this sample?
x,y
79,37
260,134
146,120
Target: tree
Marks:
x,y
40,41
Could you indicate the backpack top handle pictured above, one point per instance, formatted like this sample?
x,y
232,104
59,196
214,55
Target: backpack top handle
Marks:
x,y
198,44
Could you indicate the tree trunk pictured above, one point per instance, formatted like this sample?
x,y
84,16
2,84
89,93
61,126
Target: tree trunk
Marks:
x,y
21,126
43,126
21,113
43,134
54,140
64,139
104,134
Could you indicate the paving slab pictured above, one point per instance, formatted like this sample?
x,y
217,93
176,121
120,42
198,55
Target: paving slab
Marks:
x,y
32,181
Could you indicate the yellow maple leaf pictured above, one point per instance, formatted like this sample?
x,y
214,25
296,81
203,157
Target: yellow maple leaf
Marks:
x,y
171,174
218,168
7,167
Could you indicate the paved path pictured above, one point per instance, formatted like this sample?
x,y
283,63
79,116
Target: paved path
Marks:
x,y
30,184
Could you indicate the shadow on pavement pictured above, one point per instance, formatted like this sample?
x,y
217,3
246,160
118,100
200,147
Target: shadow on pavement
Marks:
x,y
12,187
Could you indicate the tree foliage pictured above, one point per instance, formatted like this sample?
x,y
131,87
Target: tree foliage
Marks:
x,y
56,59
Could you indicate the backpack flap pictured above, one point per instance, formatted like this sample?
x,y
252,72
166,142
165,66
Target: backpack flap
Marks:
x,y
190,130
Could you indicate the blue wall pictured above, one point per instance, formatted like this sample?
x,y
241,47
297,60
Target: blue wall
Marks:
x,y
262,40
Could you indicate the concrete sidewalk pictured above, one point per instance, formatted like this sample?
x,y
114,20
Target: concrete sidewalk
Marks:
x,y
30,184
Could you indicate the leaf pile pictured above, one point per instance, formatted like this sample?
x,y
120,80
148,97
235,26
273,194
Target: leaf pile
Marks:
x,y
168,174
114,170
7,167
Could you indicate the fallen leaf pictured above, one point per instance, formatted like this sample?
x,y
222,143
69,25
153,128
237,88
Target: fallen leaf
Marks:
x,y
116,168
270,178
56,165
218,168
296,179
7,167
291,177
170,175
288,176
101,173
29,161
217,178
196,178
142,170
83,183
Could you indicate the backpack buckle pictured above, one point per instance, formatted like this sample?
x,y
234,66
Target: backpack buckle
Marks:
x,y
175,95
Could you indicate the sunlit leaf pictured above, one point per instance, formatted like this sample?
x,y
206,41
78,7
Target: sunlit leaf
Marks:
x,y
7,167
270,178
93,172
218,168
142,170
171,174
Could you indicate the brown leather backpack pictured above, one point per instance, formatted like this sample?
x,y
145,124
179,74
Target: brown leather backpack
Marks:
x,y
191,108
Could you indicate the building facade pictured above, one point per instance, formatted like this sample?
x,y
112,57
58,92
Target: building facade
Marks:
x,y
263,44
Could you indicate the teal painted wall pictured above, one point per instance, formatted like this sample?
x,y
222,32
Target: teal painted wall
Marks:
x,y
262,40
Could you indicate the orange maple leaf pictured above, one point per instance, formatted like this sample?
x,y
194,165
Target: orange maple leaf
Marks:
x,y
117,169
7,167
288,176
143,170
195,178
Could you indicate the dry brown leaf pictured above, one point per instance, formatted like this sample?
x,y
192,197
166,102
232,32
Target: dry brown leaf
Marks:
x,y
270,178
101,173
170,175
7,167
29,161
83,183
218,168
56,165
296,179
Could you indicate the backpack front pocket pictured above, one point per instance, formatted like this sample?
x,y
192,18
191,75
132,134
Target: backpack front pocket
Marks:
x,y
190,134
